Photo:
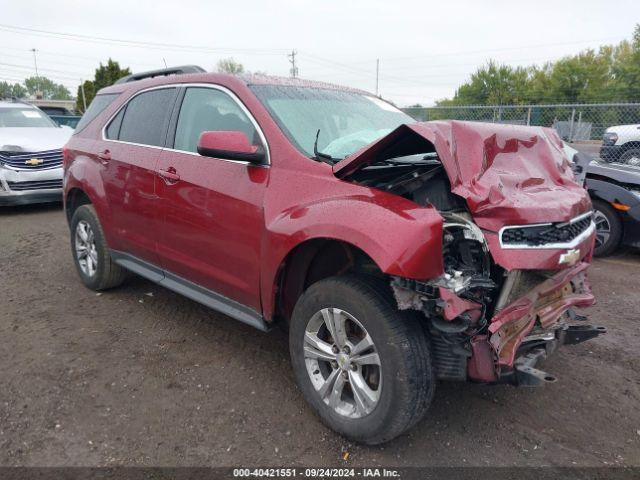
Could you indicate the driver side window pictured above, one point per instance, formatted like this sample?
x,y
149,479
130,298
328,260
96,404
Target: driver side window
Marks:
x,y
207,109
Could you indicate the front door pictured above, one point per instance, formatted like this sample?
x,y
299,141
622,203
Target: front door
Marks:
x,y
212,208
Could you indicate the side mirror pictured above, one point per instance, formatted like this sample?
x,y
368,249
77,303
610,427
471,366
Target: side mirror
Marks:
x,y
229,145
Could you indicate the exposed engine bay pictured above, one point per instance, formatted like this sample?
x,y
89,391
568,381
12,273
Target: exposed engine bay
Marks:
x,y
462,303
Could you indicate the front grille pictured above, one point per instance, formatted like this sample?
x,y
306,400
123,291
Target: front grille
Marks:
x,y
35,185
32,160
543,235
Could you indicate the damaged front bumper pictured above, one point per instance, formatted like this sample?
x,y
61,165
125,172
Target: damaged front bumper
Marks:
x,y
525,373
533,316
531,327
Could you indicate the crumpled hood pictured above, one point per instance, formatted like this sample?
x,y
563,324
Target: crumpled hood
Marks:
x,y
508,174
33,139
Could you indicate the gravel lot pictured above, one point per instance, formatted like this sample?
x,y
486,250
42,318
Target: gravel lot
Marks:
x,y
142,376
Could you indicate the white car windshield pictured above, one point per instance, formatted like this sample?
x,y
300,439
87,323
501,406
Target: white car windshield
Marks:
x,y
346,120
24,117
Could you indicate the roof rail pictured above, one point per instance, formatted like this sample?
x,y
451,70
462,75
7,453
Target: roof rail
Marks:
x,y
163,72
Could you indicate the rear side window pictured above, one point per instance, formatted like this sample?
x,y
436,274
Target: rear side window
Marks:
x,y
97,106
146,117
113,130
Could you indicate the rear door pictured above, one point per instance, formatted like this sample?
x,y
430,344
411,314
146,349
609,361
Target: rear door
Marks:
x,y
135,138
212,208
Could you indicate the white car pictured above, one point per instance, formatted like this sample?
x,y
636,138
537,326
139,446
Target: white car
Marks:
x,y
30,155
621,143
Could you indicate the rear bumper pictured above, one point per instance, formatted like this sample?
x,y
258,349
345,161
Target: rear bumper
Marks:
x,y
21,187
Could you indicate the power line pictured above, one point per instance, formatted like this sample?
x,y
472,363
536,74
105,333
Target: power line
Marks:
x,y
136,43
79,57
474,52
30,68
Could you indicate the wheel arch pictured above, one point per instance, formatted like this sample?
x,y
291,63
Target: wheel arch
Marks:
x,y
311,261
73,199
629,145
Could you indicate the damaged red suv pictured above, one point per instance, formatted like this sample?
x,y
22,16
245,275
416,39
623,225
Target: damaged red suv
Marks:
x,y
398,253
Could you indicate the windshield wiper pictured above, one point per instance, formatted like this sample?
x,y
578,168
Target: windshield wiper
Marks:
x,y
323,157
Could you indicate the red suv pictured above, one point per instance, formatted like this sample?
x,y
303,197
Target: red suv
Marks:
x,y
398,253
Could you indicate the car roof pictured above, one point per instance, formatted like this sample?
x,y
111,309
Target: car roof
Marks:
x,y
226,80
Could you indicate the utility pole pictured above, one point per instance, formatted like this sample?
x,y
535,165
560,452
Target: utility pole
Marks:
x,y
377,75
292,61
84,97
35,63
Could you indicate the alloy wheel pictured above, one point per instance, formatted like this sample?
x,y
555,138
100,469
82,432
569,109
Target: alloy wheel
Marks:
x,y
85,246
342,363
603,228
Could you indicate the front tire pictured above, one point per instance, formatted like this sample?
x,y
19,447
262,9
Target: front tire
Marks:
x,y
631,156
90,252
608,229
364,366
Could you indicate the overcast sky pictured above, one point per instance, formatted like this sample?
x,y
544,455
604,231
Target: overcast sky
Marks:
x,y
426,49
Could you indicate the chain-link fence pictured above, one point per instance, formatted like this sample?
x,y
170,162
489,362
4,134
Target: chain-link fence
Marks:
x,y
583,124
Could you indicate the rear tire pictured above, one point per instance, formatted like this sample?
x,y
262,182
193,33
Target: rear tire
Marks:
x,y
91,255
399,388
608,229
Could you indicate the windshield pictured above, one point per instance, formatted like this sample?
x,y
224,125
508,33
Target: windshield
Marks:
x,y
347,121
24,117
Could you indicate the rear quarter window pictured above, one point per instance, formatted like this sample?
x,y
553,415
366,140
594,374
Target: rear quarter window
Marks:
x,y
97,106
146,117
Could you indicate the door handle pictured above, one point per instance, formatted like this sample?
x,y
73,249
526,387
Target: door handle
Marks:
x,y
169,175
104,156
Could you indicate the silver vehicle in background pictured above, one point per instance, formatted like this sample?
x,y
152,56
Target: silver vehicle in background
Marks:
x,y
30,155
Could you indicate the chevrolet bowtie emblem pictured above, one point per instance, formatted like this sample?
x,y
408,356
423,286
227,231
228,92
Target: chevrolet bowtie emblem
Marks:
x,y
570,257
34,161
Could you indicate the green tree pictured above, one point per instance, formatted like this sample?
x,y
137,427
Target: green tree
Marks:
x,y
626,68
105,76
611,73
580,78
8,90
229,65
492,84
49,89
86,92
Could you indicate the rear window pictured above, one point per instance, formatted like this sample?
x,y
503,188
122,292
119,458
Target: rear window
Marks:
x,y
97,106
146,117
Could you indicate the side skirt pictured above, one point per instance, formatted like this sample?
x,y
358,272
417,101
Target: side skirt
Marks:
x,y
190,290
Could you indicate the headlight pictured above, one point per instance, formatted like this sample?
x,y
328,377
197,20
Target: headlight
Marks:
x,y
609,138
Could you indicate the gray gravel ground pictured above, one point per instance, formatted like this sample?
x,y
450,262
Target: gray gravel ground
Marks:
x,y
142,376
